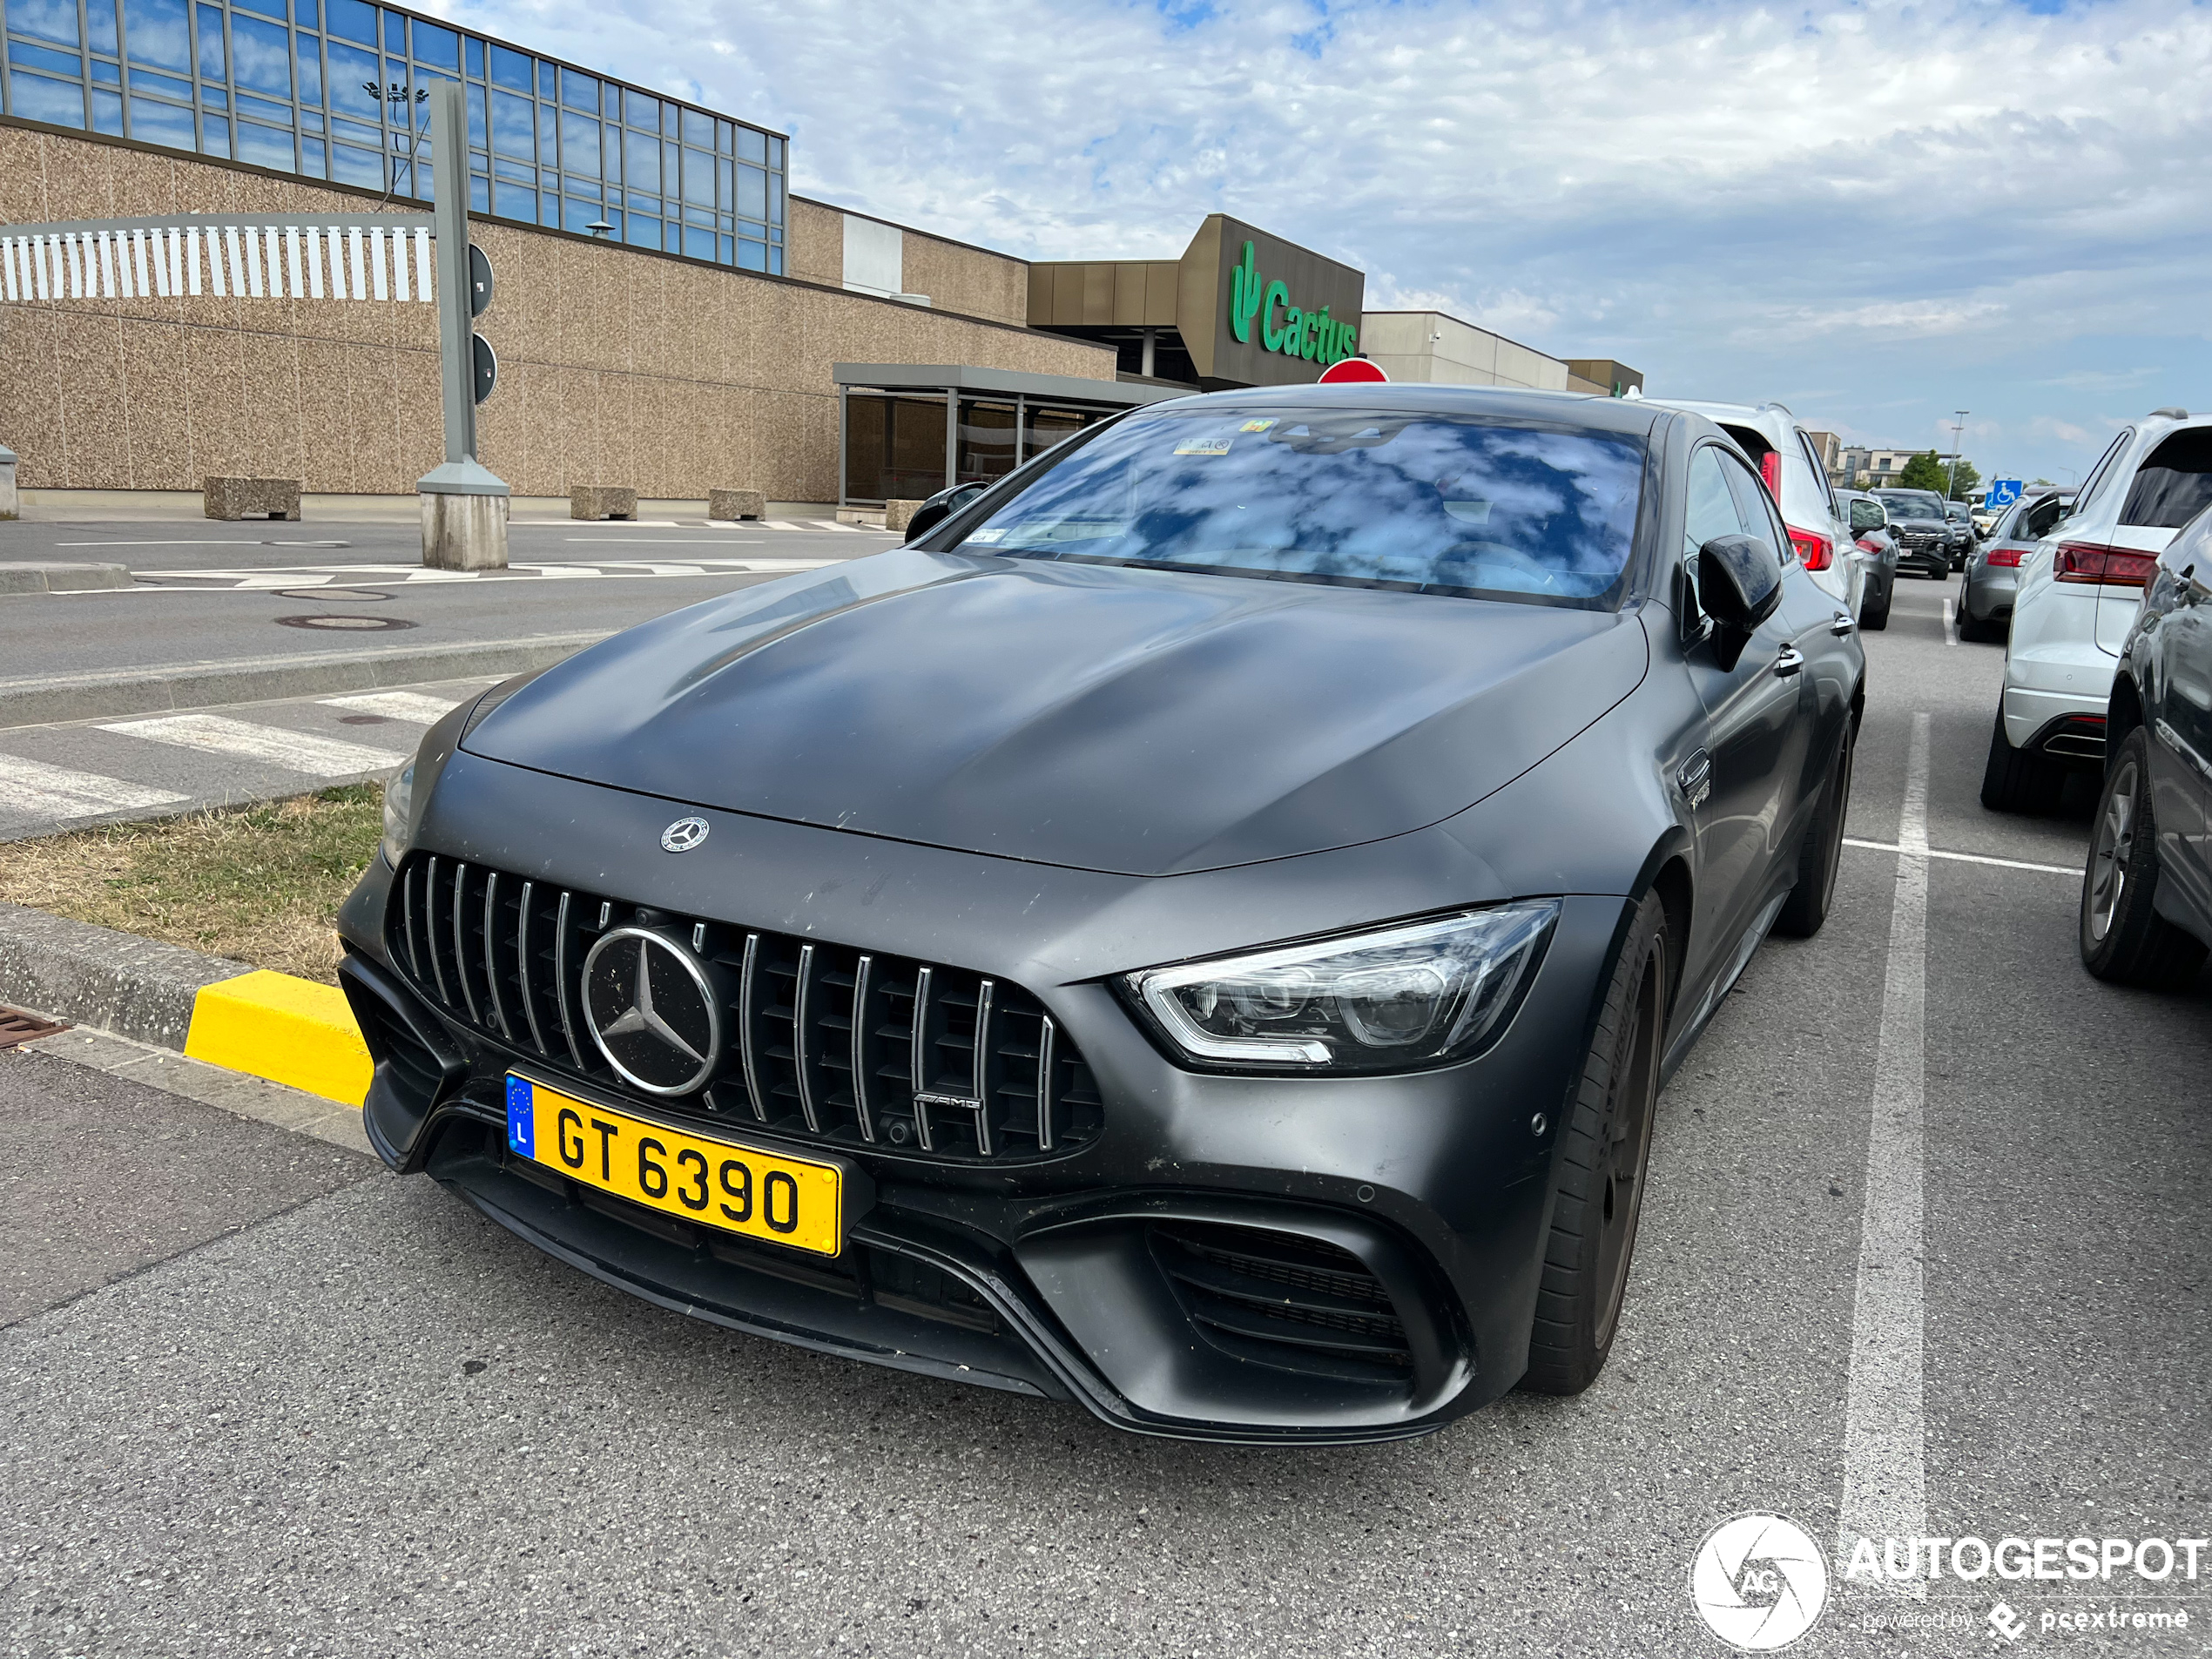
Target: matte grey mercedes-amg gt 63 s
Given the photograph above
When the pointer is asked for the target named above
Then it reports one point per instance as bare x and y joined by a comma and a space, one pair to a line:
1200, 930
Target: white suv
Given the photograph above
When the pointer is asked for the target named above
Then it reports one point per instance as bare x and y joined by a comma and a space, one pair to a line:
1820, 526
2079, 588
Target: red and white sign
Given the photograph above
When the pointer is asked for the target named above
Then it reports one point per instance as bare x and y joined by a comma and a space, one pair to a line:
1352, 371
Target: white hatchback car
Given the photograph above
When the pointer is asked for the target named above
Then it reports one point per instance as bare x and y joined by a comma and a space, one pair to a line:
2079, 588
1820, 526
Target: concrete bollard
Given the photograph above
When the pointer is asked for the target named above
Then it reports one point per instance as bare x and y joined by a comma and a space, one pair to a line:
730, 505
602, 501
897, 515
8, 506
236, 498
464, 518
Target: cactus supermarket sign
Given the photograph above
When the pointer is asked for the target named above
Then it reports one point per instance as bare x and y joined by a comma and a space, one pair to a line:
1256, 303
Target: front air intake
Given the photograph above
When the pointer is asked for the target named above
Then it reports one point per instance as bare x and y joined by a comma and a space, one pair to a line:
1284, 1300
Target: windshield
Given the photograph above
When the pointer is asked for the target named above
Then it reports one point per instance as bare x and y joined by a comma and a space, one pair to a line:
1909, 504
1436, 503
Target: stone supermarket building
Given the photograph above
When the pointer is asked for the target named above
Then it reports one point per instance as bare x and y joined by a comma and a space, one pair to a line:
668, 316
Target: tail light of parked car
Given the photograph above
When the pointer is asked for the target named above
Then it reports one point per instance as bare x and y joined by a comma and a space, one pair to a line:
2006, 557
2111, 567
1815, 550
1771, 469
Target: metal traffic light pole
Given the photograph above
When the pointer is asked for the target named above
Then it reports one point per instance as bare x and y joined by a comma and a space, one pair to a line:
464, 506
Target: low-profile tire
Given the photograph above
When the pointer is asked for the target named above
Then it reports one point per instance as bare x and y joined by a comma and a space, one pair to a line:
2013, 781
2123, 937
1875, 615
1603, 1160
1820, 851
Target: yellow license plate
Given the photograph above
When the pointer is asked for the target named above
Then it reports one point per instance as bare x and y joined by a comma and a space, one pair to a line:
739, 1189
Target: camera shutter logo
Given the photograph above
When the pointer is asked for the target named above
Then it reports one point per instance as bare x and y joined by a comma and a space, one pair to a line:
1759, 1582
682, 835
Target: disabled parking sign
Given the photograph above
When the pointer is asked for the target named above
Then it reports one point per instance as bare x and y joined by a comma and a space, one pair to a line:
2003, 492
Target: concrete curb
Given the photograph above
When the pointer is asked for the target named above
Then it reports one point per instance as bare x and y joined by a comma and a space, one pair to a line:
196, 686
20, 576
272, 1026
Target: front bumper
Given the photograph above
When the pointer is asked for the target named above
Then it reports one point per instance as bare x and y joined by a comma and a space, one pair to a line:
1100, 1274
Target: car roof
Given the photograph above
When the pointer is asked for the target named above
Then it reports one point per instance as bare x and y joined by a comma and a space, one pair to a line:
1769, 418
1633, 417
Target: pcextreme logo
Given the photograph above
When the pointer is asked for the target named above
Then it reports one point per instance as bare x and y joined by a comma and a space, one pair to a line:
1283, 327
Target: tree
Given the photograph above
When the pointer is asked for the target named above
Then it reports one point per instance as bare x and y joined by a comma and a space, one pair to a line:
1924, 472
1967, 482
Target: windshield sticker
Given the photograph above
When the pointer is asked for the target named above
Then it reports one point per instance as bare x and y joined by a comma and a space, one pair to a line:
1469, 512
1204, 447
986, 537
1257, 426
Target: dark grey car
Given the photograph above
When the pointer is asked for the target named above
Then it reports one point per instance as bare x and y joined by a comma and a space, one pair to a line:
1993, 576
1925, 536
2147, 894
1199, 932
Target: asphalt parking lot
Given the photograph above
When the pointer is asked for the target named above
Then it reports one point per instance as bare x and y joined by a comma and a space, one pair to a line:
265, 1398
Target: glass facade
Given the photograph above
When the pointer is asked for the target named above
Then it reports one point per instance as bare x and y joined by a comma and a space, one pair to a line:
894, 445
334, 90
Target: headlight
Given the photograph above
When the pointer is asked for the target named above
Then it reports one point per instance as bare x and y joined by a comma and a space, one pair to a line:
1418, 994
399, 814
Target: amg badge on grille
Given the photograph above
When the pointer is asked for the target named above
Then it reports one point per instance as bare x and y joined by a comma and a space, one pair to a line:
682, 835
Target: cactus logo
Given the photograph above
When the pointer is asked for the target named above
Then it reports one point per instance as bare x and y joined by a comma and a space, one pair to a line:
1759, 1582
1316, 337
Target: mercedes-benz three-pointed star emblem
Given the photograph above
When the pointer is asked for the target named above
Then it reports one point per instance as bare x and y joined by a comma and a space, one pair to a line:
682, 835
652, 1010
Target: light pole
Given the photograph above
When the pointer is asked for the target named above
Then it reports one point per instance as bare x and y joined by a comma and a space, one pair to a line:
1957, 427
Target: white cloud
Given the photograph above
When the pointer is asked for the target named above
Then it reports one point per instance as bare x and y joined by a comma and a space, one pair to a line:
1956, 200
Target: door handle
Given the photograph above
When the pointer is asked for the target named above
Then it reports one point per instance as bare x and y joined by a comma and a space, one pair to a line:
1695, 778
1843, 625
1788, 661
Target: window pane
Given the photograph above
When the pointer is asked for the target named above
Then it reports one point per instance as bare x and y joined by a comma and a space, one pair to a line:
212, 66
304, 12
349, 18
510, 69
512, 130
752, 256
214, 135
729, 251
475, 48
435, 43
776, 198
579, 91
352, 166
725, 188
36, 98
516, 201
261, 110
698, 244
476, 138
106, 72
264, 53
395, 33
355, 77
152, 123
48, 19
479, 193
310, 72
99, 24
752, 146
311, 161
156, 32
214, 98
107, 113
579, 143
698, 129
264, 146
641, 162
776, 154
752, 192
267, 8
549, 78
578, 215
310, 121
642, 232
640, 111
55, 62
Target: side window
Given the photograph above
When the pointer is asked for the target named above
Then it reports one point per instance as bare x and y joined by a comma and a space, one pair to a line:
1756, 510
2103, 467
1820, 476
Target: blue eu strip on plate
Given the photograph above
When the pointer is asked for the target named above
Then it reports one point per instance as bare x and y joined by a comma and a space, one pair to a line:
522, 1123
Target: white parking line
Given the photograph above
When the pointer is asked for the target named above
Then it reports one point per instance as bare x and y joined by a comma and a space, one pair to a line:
1950, 625
32, 789
417, 706
1967, 857
1884, 1430
272, 744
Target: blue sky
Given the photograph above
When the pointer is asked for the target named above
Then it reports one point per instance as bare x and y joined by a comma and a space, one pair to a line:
1879, 212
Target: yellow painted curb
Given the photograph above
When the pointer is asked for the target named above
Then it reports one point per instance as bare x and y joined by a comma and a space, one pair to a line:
288, 1030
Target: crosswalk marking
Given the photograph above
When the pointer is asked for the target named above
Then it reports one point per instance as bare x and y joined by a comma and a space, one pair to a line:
397, 705
392, 575
31, 788
293, 751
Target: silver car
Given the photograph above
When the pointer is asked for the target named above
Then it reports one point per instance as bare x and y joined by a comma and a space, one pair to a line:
1993, 577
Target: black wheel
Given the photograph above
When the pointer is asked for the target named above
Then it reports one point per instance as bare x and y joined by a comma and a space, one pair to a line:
2123, 938
2015, 781
1874, 614
1603, 1161
1822, 851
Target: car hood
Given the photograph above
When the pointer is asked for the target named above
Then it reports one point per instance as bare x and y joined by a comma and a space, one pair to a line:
1138, 721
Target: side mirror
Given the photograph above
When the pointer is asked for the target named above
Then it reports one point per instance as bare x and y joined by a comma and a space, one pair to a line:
1739, 585
939, 507
1867, 516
